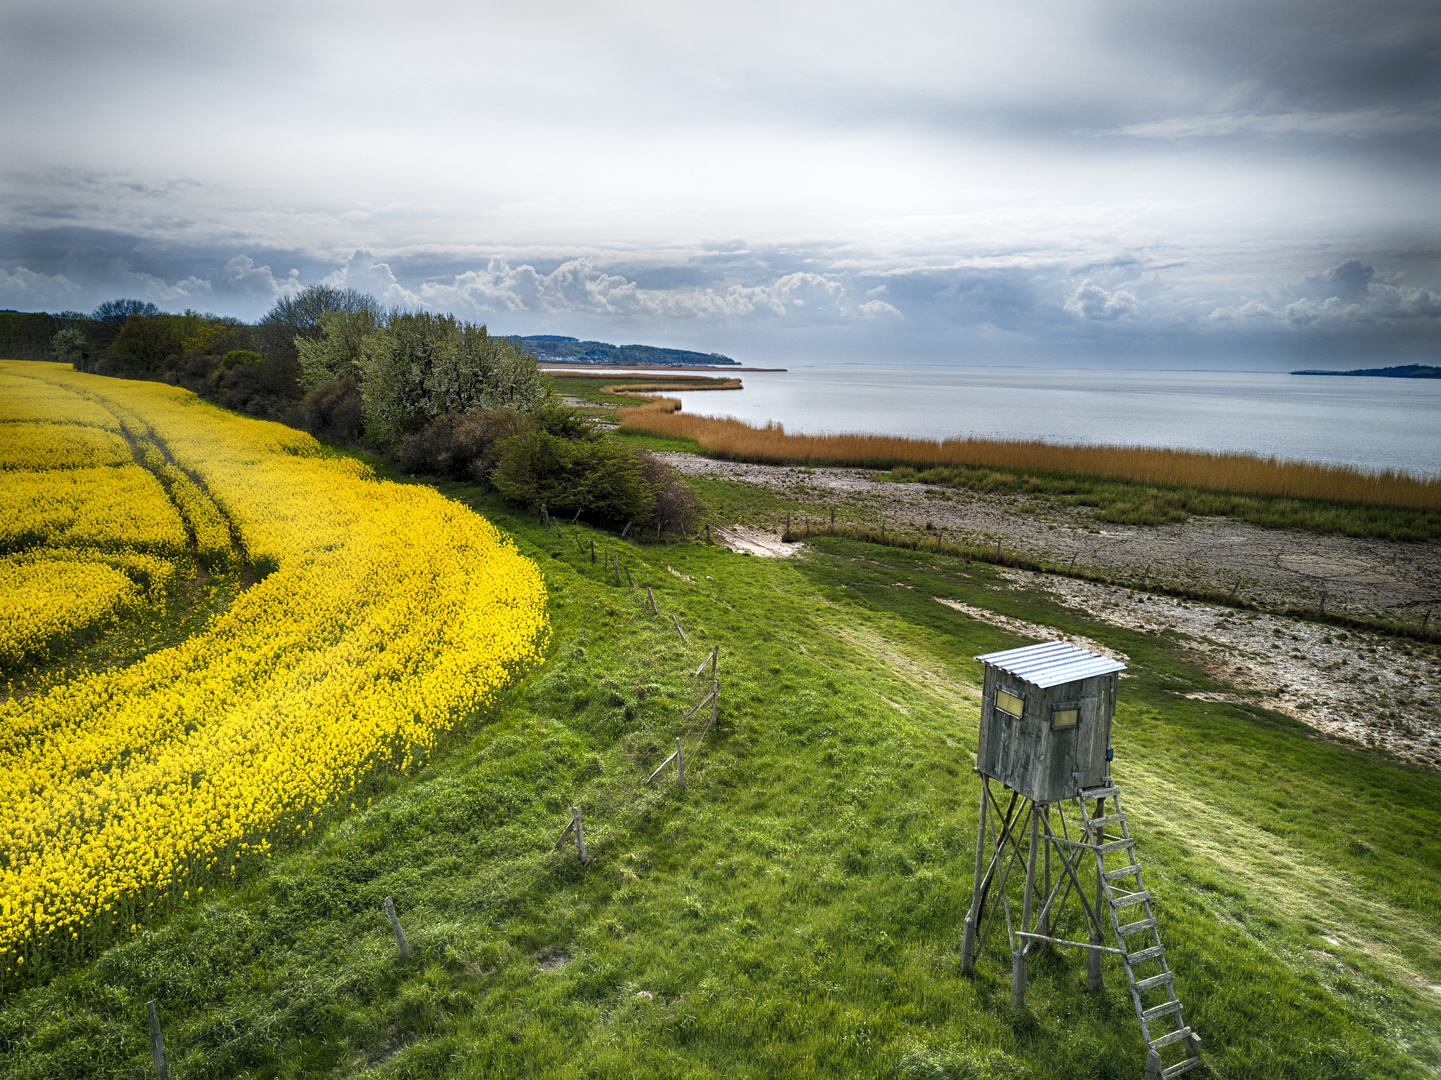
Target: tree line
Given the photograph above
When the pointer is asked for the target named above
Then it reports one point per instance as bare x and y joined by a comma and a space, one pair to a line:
438, 395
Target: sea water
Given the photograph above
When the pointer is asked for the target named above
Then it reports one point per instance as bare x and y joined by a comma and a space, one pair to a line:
1371, 423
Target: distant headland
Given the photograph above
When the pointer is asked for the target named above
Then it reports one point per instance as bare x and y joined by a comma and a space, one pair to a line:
552, 348
1405, 371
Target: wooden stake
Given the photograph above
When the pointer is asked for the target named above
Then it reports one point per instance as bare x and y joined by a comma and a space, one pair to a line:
625, 530
544, 517
1232, 594
651, 597
592, 551
400, 941
579, 834
1073, 563
679, 764
833, 519
617, 569
707, 532
679, 631
630, 583
1425, 619
157, 1044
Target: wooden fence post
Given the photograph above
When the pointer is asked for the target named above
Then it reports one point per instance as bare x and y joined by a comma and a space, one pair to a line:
544, 517
679, 631
400, 941
592, 550
679, 764
1425, 619
651, 597
625, 530
157, 1044
617, 569
833, 519
579, 834
630, 583
707, 532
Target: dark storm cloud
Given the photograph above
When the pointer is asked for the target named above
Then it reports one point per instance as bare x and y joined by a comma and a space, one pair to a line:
945, 179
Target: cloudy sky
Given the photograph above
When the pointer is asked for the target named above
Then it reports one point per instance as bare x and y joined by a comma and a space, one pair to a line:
1123, 182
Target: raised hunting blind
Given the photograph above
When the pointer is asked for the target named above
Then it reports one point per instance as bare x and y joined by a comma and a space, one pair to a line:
1046, 719
1045, 741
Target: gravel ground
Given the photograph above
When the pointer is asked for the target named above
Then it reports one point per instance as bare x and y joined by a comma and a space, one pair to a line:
1354, 685
1370, 688
1266, 566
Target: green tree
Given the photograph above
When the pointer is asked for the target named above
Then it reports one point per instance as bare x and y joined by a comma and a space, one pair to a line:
68, 345
335, 352
420, 365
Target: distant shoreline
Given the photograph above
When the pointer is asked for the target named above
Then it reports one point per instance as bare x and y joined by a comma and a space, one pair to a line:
1404, 371
608, 369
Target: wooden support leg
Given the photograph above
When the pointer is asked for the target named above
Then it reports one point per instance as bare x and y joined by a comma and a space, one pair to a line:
1153, 1066
1094, 982
1043, 926
973, 916
1018, 960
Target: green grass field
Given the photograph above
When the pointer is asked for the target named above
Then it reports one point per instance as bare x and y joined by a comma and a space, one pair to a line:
796, 910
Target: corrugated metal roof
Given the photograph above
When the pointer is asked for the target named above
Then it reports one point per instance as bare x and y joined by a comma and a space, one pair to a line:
1051, 663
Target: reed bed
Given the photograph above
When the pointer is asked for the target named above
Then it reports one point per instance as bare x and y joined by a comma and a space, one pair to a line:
1239, 473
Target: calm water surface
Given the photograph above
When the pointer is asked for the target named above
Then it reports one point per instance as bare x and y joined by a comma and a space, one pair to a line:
1367, 422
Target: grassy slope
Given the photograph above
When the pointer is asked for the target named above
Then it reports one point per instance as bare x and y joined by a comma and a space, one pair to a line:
796, 911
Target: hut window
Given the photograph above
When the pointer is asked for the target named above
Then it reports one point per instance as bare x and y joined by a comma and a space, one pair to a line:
1008, 702
1065, 715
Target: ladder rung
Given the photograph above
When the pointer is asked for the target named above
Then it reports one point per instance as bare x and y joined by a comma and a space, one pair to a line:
1099, 792
1179, 1068
1125, 871
1163, 979
1137, 927
1160, 1010
1170, 1037
1146, 954
1116, 845
1132, 898
1109, 819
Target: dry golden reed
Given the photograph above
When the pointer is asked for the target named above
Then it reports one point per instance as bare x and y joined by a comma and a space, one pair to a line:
1239, 473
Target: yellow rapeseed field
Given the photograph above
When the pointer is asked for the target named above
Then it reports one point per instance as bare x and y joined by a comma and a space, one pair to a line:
383, 615
51, 600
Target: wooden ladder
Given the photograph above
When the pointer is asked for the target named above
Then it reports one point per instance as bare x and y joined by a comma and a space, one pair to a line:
1142, 954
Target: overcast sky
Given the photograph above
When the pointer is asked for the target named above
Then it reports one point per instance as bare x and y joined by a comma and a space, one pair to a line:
1129, 182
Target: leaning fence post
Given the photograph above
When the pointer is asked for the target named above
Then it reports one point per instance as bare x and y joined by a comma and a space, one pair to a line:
400, 941
617, 569
1425, 619
679, 631
651, 597
679, 764
157, 1044
629, 581
579, 834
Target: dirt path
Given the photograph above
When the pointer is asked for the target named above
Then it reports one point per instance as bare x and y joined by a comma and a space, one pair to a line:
1271, 567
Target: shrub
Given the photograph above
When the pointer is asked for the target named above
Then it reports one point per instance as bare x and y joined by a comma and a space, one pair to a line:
675, 504
333, 411
460, 446
603, 480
